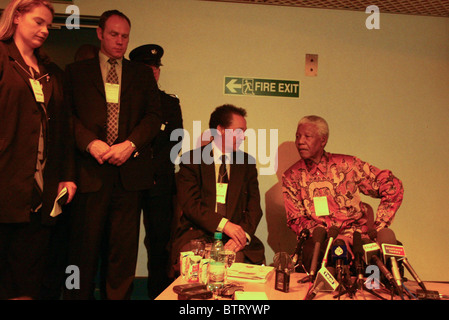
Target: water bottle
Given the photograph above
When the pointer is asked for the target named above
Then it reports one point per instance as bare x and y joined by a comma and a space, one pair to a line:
216, 267
217, 246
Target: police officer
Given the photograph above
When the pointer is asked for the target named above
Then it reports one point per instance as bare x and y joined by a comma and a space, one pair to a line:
158, 202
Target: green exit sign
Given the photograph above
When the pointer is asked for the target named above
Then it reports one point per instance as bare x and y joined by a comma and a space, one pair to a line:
261, 87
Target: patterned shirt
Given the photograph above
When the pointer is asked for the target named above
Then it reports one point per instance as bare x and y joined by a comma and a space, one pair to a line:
340, 179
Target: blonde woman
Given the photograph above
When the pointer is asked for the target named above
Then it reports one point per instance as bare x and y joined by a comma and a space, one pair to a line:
35, 147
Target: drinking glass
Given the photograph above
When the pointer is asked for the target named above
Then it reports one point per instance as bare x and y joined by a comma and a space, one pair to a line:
228, 258
207, 249
198, 247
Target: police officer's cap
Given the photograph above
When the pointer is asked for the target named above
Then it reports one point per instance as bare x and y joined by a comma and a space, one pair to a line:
150, 54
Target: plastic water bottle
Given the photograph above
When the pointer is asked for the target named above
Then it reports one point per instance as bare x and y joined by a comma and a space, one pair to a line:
216, 267
217, 246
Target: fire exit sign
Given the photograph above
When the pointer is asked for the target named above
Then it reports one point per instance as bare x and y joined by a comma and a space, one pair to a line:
261, 87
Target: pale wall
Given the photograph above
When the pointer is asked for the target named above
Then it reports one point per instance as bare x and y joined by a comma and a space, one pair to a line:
384, 93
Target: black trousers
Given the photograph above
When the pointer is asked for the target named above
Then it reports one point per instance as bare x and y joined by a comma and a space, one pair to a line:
105, 231
157, 217
55, 268
23, 250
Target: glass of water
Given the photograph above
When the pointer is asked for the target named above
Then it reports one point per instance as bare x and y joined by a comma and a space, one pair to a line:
207, 249
198, 247
228, 258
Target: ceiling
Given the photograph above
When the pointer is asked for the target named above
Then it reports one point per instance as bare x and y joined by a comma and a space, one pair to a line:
436, 8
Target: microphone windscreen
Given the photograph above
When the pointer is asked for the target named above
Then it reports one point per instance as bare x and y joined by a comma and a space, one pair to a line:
305, 233
339, 242
372, 234
387, 236
283, 261
333, 232
319, 234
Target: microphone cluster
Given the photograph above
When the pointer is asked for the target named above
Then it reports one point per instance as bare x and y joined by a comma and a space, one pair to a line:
345, 272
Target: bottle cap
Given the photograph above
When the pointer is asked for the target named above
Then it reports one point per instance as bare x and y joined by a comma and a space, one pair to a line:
218, 235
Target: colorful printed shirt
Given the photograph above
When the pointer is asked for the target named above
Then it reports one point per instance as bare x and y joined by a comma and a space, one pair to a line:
339, 179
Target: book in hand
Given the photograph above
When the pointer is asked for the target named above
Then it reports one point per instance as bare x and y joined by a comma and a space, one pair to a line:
60, 200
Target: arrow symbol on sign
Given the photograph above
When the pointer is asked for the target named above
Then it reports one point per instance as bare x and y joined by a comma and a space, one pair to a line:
232, 85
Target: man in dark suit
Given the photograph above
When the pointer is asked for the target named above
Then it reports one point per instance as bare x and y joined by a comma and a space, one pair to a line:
158, 201
116, 110
214, 200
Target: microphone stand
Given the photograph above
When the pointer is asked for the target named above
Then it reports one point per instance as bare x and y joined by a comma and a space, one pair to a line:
346, 284
372, 292
307, 278
359, 284
395, 290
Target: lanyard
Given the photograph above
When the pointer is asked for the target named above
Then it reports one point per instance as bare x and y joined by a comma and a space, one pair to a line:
29, 73
35, 84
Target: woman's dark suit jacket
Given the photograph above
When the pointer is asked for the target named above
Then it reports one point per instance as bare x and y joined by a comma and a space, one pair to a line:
20, 122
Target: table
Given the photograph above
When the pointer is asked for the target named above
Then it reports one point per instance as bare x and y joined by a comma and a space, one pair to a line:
298, 291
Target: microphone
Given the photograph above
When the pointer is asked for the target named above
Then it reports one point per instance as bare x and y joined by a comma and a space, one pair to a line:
303, 236
318, 236
413, 273
333, 233
387, 240
397, 251
372, 251
339, 257
357, 248
325, 281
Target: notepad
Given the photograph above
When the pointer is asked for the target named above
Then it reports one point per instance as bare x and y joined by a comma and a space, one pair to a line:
246, 272
60, 200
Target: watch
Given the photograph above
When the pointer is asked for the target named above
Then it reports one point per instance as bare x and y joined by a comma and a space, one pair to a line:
135, 153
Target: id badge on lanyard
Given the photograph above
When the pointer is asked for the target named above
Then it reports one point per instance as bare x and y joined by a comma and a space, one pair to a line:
35, 84
37, 90
112, 92
222, 188
321, 206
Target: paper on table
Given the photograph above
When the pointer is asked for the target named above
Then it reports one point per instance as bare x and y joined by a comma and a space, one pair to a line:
60, 200
239, 295
249, 272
